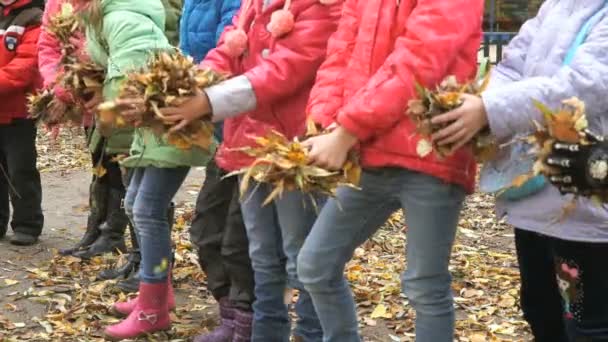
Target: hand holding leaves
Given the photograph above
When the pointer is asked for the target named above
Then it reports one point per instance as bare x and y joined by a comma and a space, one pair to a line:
193, 108
463, 122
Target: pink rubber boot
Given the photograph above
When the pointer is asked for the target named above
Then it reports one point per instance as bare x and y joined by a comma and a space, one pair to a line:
123, 309
150, 315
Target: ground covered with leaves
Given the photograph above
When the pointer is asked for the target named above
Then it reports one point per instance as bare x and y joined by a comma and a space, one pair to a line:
45, 297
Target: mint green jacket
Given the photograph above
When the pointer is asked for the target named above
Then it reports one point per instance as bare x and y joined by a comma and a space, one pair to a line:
131, 31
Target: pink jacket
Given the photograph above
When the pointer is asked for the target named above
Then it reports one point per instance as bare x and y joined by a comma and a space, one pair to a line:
49, 54
281, 72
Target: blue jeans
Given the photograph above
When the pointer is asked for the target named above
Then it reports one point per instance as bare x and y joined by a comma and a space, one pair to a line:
432, 208
276, 233
149, 194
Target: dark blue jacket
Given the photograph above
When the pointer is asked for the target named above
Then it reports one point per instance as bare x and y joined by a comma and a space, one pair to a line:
201, 25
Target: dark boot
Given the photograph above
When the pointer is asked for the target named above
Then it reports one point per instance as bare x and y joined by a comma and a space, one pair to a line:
225, 331
131, 283
3, 229
98, 204
124, 271
112, 237
243, 321
132, 264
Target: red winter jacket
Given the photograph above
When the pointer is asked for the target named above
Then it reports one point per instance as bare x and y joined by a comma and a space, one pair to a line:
19, 30
282, 72
380, 50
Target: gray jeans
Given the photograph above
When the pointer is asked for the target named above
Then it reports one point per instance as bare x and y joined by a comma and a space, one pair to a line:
432, 209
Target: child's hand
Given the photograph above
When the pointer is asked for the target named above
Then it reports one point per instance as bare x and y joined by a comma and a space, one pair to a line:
330, 150
194, 108
131, 110
580, 169
464, 122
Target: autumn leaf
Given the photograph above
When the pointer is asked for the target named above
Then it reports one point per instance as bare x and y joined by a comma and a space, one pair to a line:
379, 311
10, 282
99, 171
521, 180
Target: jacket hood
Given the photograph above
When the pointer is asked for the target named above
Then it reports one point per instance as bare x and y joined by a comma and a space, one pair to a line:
152, 9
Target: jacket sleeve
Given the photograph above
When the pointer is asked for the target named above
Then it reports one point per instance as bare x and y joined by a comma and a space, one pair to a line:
22, 70
227, 12
131, 39
327, 94
510, 68
510, 108
295, 58
435, 34
49, 52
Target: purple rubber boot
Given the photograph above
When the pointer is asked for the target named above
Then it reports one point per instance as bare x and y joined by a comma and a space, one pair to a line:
224, 332
242, 326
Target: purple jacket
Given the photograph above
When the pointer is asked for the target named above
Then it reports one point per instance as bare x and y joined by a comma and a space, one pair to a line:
532, 68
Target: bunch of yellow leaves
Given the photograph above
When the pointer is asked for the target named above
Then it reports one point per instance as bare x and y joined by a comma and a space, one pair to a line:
40, 103
78, 77
167, 81
284, 164
447, 97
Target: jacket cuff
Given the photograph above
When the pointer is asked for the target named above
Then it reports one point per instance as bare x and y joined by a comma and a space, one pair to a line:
353, 127
231, 98
498, 118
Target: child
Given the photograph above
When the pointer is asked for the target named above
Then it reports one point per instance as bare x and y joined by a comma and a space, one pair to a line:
105, 150
49, 57
380, 51
129, 271
19, 29
273, 65
563, 281
121, 34
217, 229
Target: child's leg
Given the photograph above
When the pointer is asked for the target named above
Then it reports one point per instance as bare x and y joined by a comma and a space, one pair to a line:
540, 298
583, 283
137, 175
297, 214
235, 253
207, 230
156, 190
271, 321
432, 208
5, 206
343, 224
20, 154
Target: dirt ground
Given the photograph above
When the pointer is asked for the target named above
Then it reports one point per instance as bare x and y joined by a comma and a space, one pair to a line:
484, 269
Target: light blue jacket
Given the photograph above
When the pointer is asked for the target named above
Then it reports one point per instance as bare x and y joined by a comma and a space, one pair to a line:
201, 26
532, 68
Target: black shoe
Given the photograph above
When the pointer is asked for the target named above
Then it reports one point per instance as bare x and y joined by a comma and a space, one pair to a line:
131, 284
98, 206
22, 239
104, 244
132, 265
112, 237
